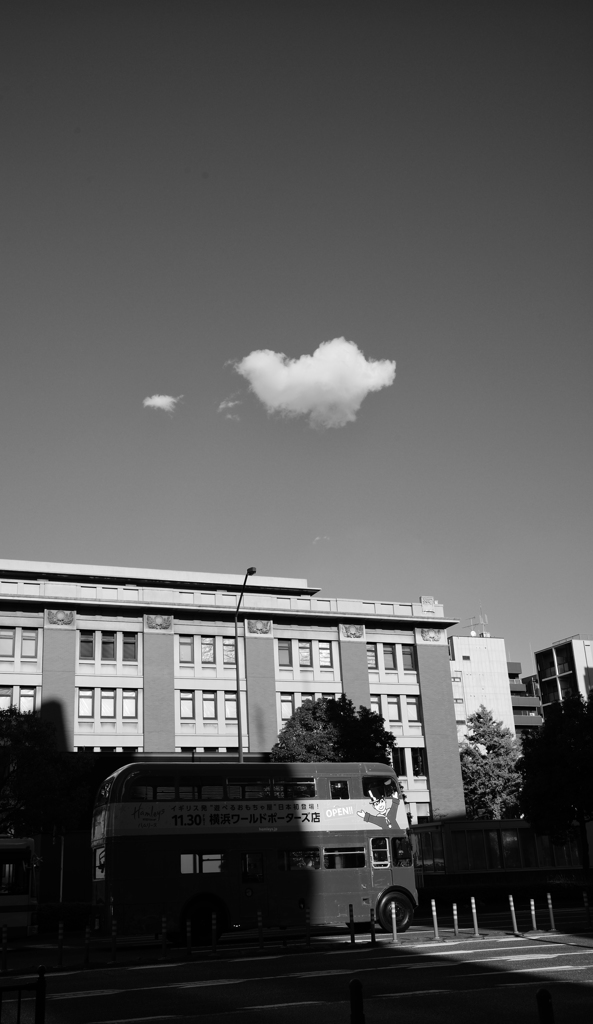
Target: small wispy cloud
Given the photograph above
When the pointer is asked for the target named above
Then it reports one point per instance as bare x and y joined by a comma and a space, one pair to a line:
316, 540
166, 403
229, 403
328, 386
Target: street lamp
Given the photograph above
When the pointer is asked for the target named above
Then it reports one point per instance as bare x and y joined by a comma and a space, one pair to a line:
250, 572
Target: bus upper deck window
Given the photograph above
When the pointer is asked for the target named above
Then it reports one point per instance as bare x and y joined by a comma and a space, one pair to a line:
249, 789
295, 789
150, 790
212, 789
376, 786
339, 789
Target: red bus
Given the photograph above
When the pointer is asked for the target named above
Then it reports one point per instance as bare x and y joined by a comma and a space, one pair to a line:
183, 840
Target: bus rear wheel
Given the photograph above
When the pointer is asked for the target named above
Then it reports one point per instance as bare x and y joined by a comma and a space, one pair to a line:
404, 911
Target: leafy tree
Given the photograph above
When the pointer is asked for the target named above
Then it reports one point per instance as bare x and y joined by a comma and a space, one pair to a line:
557, 772
489, 756
333, 730
40, 788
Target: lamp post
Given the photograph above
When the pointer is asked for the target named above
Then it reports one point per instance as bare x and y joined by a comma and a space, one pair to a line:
250, 572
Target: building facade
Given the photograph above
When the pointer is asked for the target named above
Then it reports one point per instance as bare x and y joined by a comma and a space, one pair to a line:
527, 705
479, 675
144, 660
565, 669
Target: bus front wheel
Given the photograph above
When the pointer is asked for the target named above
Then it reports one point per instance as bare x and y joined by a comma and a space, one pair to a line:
404, 911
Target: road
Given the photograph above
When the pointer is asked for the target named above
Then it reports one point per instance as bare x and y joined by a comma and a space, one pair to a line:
489, 979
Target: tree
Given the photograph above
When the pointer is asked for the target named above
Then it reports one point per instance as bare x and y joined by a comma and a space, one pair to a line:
557, 772
489, 756
40, 788
333, 730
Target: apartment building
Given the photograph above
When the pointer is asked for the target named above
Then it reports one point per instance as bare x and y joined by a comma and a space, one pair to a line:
480, 675
144, 660
565, 669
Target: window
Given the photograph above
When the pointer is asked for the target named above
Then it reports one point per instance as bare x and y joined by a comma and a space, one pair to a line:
335, 857
389, 656
130, 647
465, 657
228, 650
209, 705
107, 646
7, 643
325, 654
252, 867
296, 789
418, 761
376, 704
409, 657
186, 650
86, 702
186, 704
286, 706
285, 653
412, 706
129, 700
380, 852
87, 645
27, 701
230, 706
208, 655
5, 697
99, 863
402, 852
377, 787
305, 654
399, 762
338, 789
107, 703
393, 709
299, 860
29, 643
201, 863
248, 789
372, 655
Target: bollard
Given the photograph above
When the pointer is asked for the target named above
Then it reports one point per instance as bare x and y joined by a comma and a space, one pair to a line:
394, 922
307, 926
533, 921
513, 916
60, 942
164, 936
4, 949
40, 996
545, 1008
455, 920
351, 924
356, 1002
435, 923
587, 908
188, 937
260, 929
551, 913
214, 932
475, 918
87, 946
114, 940
373, 936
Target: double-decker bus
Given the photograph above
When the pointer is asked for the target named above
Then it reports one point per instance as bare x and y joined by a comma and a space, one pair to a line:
182, 841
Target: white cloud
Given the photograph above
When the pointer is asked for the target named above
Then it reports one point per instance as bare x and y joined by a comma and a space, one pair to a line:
317, 539
228, 403
165, 402
328, 386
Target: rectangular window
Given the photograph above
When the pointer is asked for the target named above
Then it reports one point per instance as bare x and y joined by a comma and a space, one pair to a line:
297, 789
379, 852
130, 647
285, 653
413, 709
389, 656
335, 857
393, 709
252, 867
299, 860
201, 863
338, 789
5, 697
208, 650
228, 650
29, 643
230, 706
7, 643
418, 761
325, 654
129, 699
99, 863
409, 657
401, 851
186, 650
27, 701
372, 655
376, 704
399, 762
209, 705
107, 646
286, 706
186, 704
86, 703
107, 703
87, 645
305, 654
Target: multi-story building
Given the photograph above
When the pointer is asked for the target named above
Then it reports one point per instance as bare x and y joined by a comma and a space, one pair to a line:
527, 706
565, 669
480, 676
144, 660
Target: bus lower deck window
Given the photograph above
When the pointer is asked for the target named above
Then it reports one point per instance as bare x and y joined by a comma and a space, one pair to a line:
339, 789
252, 867
347, 857
299, 860
201, 863
380, 852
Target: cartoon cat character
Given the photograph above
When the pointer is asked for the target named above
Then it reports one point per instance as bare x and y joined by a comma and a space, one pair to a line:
385, 808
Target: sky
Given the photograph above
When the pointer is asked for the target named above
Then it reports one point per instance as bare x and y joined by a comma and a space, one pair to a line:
197, 196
